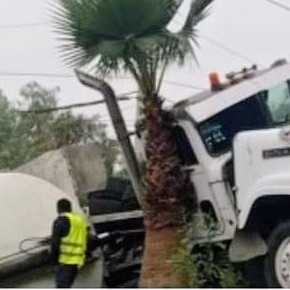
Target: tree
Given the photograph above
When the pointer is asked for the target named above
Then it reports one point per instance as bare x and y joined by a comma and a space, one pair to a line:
24, 136
132, 36
7, 128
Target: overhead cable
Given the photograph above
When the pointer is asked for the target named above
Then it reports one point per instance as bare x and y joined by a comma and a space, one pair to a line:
123, 97
21, 25
228, 49
278, 4
71, 76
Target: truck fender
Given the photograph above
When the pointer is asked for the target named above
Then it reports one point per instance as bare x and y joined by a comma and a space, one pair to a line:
268, 186
247, 245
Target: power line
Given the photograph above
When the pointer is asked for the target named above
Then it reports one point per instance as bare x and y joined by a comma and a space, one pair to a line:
228, 49
283, 6
220, 45
40, 74
71, 76
22, 25
123, 97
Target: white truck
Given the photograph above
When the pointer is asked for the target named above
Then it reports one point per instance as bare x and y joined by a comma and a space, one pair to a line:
234, 140
237, 149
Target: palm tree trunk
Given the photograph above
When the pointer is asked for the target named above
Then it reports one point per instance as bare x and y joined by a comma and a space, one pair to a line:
164, 196
157, 271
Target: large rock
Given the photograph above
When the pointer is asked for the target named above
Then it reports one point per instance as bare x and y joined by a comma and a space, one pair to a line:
77, 169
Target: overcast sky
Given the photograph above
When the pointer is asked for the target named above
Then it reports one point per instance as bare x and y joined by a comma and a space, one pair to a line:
255, 29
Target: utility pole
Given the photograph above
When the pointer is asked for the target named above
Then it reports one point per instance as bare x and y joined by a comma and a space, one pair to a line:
118, 122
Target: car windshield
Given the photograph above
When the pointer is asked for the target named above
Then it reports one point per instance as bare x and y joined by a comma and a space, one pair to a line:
266, 109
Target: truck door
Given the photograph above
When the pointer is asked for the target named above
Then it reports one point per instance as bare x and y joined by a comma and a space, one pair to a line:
206, 199
262, 167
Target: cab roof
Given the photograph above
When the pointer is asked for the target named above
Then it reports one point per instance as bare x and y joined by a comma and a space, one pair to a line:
208, 103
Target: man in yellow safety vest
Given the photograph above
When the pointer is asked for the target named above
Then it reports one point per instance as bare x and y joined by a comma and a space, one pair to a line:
69, 244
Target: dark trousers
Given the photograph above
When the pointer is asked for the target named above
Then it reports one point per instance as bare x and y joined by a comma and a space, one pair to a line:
65, 275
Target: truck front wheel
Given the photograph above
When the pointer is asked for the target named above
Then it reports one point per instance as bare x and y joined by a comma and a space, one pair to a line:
277, 262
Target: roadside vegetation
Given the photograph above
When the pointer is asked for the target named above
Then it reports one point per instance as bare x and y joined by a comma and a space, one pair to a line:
24, 136
205, 265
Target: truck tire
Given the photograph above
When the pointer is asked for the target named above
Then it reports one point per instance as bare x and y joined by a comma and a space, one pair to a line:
277, 262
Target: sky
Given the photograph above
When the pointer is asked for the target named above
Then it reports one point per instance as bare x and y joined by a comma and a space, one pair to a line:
236, 34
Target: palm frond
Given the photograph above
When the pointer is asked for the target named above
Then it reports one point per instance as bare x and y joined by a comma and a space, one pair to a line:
107, 27
119, 33
181, 41
198, 11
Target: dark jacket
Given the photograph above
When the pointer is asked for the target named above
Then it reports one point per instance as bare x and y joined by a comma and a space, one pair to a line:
60, 229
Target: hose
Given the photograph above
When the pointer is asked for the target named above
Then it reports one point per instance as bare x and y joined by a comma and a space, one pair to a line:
41, 242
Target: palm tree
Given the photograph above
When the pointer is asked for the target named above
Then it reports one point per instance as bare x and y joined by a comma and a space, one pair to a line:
132, 36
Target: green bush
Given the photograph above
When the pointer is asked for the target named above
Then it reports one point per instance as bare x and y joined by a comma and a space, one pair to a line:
205, 265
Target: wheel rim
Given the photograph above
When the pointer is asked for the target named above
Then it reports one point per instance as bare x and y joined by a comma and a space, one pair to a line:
282, 263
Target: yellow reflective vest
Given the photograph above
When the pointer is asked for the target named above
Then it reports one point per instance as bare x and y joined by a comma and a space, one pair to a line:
73, 246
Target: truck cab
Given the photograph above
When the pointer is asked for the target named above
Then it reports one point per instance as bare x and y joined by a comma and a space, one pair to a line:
234, 141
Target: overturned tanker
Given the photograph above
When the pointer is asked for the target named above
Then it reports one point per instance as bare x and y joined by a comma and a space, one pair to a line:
28, 208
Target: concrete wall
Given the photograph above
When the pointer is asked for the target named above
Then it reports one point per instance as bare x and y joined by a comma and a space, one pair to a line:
75, 169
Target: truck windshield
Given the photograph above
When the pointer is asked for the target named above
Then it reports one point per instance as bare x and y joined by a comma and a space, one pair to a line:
266, 109
218, 131
277, 101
